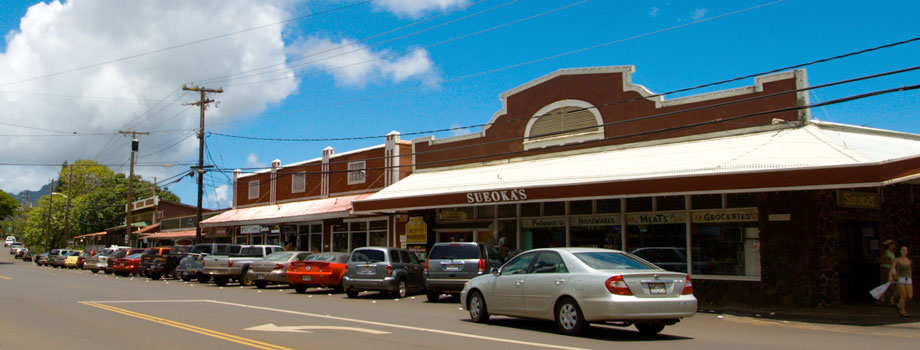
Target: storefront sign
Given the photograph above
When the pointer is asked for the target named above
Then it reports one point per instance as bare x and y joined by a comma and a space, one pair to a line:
725, 215
557, 221
250, 229
779, 217
276, 229
517, 194
596, 220
854, 199
416, 231
452, 215
655, 218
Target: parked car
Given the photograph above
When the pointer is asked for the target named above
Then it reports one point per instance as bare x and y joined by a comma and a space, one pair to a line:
129, 265
19, 252
71, 259
118, 254
318, 270
450, 265
99, 261
13, 246
157, 266
390, 270
28, 256
186, 270
226, 268
9, 240
84, 256
672, 259
578, 286
41, 259
153, 256
60, 258
273, 268
200, 251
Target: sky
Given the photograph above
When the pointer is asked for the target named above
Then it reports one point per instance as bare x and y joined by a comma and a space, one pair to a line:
75, 73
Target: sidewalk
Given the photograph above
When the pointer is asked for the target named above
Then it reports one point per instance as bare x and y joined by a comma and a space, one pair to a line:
861, 314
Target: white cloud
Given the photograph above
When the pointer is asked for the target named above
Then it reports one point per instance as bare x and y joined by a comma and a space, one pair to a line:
55, 37
252, 161
356, 65
653, 12
416, 8
698, 14
221, 195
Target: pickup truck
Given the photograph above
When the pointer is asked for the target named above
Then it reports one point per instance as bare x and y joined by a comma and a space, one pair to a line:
155, 266
226, 268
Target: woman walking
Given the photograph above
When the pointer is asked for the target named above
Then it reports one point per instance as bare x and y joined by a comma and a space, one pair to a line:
900, 278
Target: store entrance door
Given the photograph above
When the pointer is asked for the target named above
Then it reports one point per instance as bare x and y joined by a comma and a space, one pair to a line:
458, 236
857, 251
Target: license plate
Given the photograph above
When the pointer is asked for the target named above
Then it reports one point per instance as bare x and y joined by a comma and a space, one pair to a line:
305, 278
452, 267
260, 277
366, 270
121, 264
657, 288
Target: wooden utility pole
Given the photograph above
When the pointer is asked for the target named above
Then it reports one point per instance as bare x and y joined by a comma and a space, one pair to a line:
202, 103
48, 220
134, 147
67, 208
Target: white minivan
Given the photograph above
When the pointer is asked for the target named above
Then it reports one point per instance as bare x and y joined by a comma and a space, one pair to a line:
9, 241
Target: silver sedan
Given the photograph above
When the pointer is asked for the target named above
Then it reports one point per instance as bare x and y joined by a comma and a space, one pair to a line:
273, 268
578, 286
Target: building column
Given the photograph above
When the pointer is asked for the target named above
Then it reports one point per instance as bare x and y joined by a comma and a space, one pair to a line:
273, 196
324, 182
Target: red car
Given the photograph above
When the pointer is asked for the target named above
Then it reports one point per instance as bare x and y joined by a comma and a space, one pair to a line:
87, 254
128, 265
318, 270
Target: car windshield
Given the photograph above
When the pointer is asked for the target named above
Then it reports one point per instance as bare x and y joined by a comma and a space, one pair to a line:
134, 256
367, 255
281, 256
612, 261
454, 251
251, 252
321, 257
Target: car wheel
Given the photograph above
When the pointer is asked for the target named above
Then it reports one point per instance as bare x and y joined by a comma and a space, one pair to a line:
154, 276
107, 272
261, 284
401, 289
479, 313
299, 288
202, 278
338, 289
433, 297
175, 274
244, 278
351, 293
221, 281
649, 329
569, 317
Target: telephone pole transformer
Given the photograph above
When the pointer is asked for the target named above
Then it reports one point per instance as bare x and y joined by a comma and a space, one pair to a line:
130, 206
202, 103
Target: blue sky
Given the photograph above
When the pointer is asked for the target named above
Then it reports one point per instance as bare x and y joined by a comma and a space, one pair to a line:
418, 86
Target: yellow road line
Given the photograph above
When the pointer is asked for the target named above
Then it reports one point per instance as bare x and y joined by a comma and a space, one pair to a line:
5, 278
190, 328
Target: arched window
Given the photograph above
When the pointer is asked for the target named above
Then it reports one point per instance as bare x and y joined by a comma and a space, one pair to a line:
562, 122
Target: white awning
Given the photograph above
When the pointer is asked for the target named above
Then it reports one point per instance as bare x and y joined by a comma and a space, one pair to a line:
777, 156
317, 209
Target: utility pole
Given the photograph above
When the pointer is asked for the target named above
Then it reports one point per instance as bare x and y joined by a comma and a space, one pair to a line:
202, 104
67, 208
48, 219
134, 147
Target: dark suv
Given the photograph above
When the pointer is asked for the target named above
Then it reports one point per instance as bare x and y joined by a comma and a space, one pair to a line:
450, 265
389, 270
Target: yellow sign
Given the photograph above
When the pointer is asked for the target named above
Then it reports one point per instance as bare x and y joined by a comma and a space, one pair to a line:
725, 215
452, 215
416, 231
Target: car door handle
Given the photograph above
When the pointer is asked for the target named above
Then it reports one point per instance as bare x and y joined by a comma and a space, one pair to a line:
518, 283
560, 281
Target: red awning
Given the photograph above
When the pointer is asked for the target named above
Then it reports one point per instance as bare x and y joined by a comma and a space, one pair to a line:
317, 209
148, 229
97, 234
172, 235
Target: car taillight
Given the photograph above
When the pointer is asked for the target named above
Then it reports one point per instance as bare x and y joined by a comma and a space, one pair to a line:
278, 266
389, 270
202, 262
688, 286
426, 266
230, 263
617, 285
482, 266
294, 265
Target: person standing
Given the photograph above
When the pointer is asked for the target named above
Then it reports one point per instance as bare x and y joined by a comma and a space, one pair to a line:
899, 275
885, 260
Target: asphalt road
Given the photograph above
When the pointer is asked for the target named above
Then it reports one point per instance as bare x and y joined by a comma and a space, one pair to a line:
42, 307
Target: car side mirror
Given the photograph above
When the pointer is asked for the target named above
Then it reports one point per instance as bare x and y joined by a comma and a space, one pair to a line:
494, 271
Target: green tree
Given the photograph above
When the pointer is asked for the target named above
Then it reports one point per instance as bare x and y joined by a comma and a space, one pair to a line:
8, 205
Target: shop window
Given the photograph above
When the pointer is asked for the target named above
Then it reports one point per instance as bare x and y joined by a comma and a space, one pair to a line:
542, 232
581, 207
358, 226
356, 172
639, 204
316, 242
456, 214
530, 209
298, 182
378, 238
340, 242
241, 239
507, 241
741, 200
253, 189
608, 206
593, 233
272, 240
669, 203
507, 210
303, 229
553, 208
706, 201
727, 249
316, 228
659, 237
485, 212
378, 225
256, 239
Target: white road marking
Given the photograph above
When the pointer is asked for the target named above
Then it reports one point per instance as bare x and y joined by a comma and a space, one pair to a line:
271, 327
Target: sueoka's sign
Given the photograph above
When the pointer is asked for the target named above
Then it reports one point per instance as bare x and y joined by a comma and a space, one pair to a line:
656, 218
517, 194
726, 215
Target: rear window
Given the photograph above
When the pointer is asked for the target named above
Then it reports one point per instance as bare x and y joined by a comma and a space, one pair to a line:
202, 249
368, 255
612, 261
134, 256
338, 258
180, 249
279, 256
454, 251
252, 252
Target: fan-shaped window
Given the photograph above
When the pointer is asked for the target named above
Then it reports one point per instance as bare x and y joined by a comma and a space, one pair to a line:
563, 122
